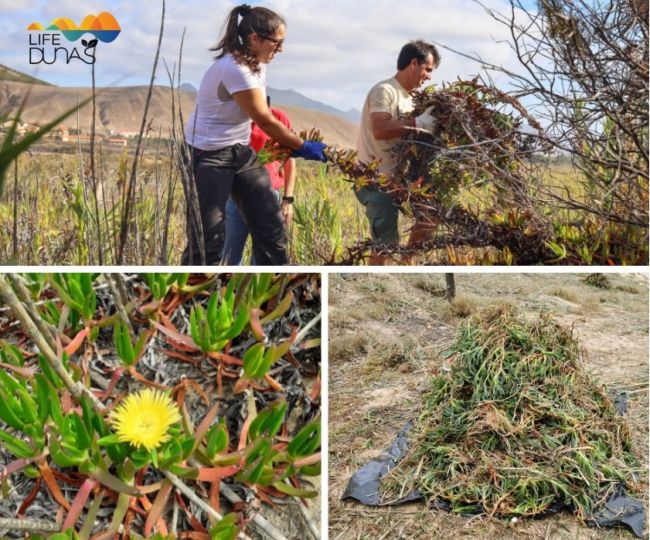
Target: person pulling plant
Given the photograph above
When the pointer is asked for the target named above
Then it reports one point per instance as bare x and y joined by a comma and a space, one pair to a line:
231, 94
283, 176
383, 122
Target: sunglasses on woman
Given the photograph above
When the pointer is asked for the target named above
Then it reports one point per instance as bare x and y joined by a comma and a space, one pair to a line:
277, 42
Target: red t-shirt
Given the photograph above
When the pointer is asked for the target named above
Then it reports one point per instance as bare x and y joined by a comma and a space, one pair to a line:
258, 138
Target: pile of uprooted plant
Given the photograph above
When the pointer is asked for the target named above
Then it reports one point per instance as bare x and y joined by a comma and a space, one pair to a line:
514, 426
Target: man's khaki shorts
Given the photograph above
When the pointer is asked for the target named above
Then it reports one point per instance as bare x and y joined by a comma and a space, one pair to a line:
382, 214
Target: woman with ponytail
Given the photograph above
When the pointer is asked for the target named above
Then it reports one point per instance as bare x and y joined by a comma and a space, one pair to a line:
232, 93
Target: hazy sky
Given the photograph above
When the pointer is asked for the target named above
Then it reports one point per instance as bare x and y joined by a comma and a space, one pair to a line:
335, 49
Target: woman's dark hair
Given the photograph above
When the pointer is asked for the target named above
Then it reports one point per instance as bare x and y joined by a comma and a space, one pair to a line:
419, 50
257, 20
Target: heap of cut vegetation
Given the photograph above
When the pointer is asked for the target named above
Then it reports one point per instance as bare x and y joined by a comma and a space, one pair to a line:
515, 426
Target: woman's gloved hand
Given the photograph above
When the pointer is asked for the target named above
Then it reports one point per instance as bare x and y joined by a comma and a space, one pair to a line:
311, 150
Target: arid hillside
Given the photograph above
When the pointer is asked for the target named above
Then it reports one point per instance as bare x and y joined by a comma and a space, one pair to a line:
120, 110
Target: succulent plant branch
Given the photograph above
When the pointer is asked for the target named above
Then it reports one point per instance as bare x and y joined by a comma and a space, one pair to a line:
157, 430
305, 330
191, 495
77, 389
116, 285
25, 297
28, 525
98, 287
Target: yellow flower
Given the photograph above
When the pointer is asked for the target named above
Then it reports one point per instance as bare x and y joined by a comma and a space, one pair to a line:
144, 419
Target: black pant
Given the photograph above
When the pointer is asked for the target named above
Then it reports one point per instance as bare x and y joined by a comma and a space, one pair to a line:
234, 170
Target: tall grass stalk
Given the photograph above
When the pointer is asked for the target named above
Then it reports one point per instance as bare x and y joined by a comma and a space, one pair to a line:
15, 232
93, 175
128, 203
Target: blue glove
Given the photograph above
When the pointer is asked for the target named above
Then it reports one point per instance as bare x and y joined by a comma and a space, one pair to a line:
312, 150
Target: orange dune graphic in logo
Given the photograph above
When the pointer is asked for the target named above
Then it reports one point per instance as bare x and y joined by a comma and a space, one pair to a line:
103, 26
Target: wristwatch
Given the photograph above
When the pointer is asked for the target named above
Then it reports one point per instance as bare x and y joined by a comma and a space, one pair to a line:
287, 200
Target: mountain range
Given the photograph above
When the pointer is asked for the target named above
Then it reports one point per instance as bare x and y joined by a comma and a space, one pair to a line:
296, 99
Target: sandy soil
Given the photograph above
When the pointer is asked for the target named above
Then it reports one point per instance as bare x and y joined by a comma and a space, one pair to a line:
386, 335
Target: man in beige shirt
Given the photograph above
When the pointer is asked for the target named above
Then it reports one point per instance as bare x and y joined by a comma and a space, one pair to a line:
383, 123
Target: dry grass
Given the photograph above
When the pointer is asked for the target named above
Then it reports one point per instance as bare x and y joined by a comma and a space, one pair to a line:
462, 306
570, 295
429, 285
628, 289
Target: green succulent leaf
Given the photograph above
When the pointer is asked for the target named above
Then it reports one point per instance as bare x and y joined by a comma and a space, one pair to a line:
159, 284
310, 470
10, 411
47, 370
29, 409
294, 492
66, 455
217, 439
268, 421
256, 459
254, 362
306, 442
226, 529
42, 397
81, 434
16, 446
11, 354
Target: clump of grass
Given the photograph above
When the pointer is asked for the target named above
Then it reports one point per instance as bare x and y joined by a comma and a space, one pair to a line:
429, 285
516, 425
566, 294
462, 306
348, 347
628, 289
600, 281
327, 217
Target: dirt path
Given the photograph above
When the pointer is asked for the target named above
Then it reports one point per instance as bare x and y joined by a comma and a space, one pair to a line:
386, 335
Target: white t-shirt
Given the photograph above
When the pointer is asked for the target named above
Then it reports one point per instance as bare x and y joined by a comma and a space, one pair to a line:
386, 97
217, 120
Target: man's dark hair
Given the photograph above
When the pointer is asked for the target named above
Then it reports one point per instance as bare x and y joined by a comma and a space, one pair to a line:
420, 50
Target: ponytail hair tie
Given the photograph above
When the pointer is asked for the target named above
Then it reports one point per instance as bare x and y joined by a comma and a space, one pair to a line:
244, 10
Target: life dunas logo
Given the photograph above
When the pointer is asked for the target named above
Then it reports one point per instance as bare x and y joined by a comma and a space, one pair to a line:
45, 42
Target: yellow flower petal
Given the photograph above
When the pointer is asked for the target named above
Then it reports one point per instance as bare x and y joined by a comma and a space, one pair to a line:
144, 419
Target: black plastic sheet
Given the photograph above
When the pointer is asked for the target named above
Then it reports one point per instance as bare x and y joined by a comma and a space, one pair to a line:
364, 484
620, 400
619, 510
